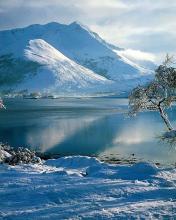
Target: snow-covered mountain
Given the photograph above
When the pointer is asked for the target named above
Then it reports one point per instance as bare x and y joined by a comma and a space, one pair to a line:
56, 57
59, 73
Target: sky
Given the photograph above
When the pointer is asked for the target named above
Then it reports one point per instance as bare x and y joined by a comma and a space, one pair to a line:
142, 25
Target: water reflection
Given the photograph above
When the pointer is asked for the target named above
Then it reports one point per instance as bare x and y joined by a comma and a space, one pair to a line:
55, 134
140, 131
85, 127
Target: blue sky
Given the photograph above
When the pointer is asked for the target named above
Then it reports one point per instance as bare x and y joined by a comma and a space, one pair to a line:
147, 25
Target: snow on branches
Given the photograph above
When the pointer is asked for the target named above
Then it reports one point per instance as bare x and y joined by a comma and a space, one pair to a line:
157, 95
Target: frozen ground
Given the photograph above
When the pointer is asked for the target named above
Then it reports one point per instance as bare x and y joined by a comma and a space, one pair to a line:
84, 188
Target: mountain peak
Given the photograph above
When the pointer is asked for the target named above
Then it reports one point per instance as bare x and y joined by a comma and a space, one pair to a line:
77, 23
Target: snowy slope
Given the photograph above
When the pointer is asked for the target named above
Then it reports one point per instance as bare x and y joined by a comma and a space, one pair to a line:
64, 74
84, 188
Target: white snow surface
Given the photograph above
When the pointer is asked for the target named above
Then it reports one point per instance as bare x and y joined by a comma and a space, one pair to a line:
78, 187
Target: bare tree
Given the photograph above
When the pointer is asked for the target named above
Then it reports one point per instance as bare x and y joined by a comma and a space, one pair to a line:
158, 95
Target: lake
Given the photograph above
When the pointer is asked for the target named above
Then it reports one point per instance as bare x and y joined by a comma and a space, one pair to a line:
90, 126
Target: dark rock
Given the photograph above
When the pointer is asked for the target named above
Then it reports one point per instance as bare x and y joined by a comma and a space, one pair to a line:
17, 156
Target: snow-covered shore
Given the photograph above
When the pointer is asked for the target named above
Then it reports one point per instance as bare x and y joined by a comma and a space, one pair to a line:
84, 188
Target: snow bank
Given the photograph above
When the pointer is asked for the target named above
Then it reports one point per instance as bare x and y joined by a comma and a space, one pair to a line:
73, 162
85, 188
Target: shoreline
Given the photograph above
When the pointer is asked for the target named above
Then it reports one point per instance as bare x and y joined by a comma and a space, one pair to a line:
22, 155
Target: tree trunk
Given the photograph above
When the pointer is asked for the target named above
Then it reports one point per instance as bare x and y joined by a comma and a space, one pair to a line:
165, 119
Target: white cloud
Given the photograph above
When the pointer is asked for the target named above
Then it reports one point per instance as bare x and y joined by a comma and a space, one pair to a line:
138, 55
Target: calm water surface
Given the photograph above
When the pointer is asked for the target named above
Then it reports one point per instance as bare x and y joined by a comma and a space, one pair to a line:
95, 126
